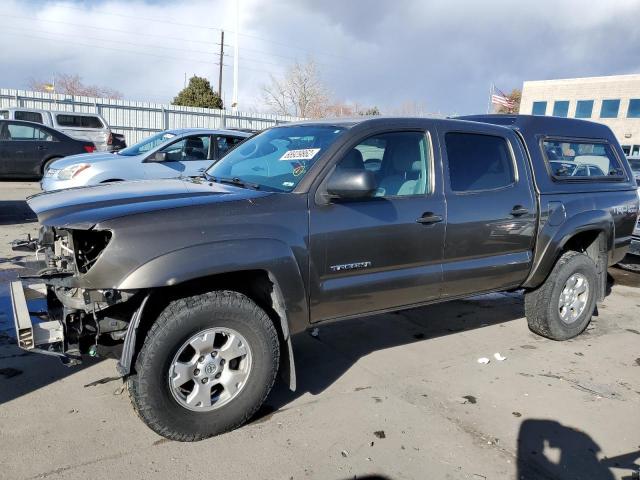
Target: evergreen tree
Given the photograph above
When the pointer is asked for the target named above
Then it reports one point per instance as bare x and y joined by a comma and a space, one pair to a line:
198, 93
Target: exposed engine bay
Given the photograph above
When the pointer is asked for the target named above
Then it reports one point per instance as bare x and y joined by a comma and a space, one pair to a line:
92, 320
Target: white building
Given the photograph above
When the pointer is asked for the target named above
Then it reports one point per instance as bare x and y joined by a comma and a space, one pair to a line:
613, 100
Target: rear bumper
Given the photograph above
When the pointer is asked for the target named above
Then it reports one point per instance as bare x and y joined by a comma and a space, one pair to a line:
32, 334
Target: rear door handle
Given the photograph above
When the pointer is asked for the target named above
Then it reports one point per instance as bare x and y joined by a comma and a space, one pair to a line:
429, 218
41, 147
519, 210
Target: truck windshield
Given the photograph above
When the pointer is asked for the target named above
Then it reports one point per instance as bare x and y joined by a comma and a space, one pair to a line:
146, 144
276, 159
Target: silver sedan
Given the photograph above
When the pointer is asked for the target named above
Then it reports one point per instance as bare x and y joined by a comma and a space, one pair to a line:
168, 154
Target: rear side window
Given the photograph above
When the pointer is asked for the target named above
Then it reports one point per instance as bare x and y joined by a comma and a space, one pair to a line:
478, 162
581, 160
79, 121
226, 143
28, 116
27, 132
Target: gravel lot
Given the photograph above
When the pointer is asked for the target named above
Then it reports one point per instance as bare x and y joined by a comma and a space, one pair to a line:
396, 396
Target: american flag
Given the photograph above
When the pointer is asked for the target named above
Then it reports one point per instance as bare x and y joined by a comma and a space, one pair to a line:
499, 98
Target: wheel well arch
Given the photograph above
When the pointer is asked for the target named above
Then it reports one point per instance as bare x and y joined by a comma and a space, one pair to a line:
595, 242
259, 285
590, 242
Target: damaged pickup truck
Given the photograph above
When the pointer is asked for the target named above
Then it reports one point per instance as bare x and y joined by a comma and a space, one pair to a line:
201, 283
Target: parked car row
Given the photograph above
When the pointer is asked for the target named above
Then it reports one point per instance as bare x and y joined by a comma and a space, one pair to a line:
30, 149
79, 125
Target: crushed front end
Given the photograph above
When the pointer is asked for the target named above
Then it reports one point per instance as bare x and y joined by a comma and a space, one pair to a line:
55, 310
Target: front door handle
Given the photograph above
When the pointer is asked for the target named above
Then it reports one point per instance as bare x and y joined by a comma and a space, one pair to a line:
519, 210
429, 218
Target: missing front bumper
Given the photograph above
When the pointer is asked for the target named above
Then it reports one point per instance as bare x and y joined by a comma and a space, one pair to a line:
34, 335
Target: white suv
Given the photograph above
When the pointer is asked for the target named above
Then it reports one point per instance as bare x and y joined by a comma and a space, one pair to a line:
80, 125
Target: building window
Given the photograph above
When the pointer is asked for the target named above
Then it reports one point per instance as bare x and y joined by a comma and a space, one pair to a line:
584, 108
609, 108
539, 108
560, 108
634, 108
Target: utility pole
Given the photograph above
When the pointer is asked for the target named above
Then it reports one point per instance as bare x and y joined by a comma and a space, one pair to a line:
234, 101
220, 69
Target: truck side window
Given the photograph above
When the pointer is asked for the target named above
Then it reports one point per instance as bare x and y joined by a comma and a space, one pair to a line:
28, 116
400, 160
478, 162
583, 160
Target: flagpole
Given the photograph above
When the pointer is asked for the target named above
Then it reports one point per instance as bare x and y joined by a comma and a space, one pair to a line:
490, 95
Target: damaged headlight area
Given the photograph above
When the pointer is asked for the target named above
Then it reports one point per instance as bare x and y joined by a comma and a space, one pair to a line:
55, 312
65, 251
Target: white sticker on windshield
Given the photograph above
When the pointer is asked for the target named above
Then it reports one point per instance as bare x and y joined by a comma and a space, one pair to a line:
302, 154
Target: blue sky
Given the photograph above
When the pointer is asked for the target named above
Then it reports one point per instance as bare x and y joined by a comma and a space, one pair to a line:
442, 55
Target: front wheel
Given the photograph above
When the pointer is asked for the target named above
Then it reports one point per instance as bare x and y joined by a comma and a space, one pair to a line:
561, 308
206, 365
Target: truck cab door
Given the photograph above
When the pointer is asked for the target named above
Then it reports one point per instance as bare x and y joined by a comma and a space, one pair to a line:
385, 251
491, 210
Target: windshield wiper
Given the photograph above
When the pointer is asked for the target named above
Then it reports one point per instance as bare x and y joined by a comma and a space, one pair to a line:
235, 181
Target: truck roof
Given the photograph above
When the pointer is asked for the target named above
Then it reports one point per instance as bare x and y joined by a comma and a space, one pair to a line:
550, 126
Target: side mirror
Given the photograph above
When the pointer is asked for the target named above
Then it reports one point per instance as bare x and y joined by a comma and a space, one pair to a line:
158, 157
351, 184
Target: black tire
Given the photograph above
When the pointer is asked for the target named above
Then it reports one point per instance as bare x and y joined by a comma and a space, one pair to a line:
149, 386
541, 304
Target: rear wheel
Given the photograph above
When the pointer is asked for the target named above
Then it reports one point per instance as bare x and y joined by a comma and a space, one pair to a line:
205, 367
561, 308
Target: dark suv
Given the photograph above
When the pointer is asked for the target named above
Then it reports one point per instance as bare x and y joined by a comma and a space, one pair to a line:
205, 281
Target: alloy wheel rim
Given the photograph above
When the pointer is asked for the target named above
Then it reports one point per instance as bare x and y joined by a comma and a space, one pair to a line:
573, 298
210, 369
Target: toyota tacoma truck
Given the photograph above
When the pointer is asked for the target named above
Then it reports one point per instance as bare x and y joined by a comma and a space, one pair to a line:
202, 283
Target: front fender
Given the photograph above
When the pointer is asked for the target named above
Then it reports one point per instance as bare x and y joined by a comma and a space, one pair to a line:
552, 239
227, 256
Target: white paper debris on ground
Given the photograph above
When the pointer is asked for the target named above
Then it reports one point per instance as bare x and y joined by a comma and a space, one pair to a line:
499, 357
483, 360
315, 332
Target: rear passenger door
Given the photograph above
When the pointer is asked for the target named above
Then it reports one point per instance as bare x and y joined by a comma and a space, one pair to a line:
491, 210
224, 143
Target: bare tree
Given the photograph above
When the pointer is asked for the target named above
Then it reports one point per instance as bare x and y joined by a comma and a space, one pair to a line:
300, 92
71, 84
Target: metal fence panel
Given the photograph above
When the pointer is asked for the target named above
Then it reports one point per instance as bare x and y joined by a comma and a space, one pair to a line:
137, 120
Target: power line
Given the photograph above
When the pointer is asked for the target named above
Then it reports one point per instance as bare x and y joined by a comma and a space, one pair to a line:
93, 27
102, 47
136, 17
134, 52
190, 25
111, 40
